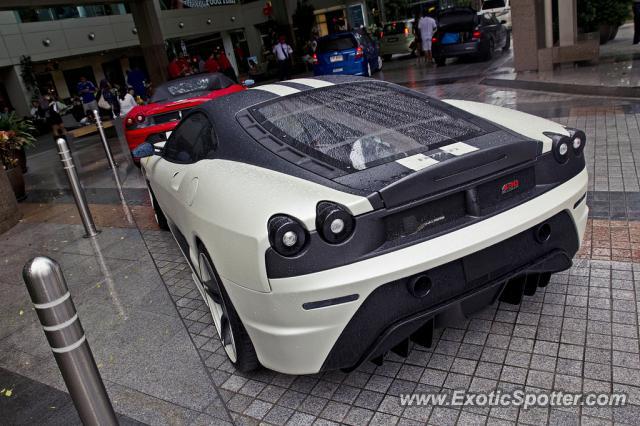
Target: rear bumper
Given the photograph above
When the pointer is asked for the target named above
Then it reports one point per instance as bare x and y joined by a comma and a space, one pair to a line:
395, 48
291, 339
357, 68
457, 50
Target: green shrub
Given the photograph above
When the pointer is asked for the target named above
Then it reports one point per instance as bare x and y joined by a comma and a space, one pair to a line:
593, 13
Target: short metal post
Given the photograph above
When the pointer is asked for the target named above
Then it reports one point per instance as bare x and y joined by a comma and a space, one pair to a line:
76, 188
54, 306
103, 137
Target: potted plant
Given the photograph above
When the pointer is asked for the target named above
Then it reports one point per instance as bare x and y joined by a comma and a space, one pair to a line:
15, 135
604, 16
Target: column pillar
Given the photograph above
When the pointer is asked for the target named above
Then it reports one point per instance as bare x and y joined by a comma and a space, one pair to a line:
548, 23
567, 22
19, 95
525, 35
146, 17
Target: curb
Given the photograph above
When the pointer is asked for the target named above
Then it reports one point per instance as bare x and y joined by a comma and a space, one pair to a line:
575, 89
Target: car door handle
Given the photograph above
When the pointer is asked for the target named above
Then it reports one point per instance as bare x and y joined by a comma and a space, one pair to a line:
176, 179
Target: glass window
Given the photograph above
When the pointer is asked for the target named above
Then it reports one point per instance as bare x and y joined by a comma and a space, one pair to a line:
67, 12
190, 87
492, 4
333, 44
395, 28
192, 141
357, 126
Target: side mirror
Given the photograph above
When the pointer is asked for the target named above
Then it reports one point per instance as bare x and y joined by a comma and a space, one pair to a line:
145, 150
248, 83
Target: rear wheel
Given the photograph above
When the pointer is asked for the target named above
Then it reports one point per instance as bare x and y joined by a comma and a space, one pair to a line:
507, 44
488, 55
161, 219
233, 336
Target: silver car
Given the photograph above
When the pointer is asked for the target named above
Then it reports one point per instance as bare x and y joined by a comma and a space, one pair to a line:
397, 38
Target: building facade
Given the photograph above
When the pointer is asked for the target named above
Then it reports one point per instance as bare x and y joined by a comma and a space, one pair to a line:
102, 41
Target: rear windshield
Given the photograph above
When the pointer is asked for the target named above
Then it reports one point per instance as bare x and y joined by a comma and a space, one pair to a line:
190, 87
360, 125
493, 4
333, 44
395, 28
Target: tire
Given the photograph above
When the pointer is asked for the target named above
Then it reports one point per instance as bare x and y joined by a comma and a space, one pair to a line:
440, 61
368, 72
161, 219
379, 64
387, 57
233, 336
507, 44
488, 55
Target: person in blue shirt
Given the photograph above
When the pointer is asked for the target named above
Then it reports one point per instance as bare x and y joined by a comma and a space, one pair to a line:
87, 91
136, 79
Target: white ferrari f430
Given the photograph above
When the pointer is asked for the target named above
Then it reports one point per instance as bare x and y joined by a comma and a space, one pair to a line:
331, 220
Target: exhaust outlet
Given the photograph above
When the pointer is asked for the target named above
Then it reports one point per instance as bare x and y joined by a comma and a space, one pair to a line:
419, 286
543, 233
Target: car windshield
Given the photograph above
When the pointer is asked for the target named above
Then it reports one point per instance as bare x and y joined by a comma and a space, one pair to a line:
360, 125
340, 43
493, 4
190, 87
395, 28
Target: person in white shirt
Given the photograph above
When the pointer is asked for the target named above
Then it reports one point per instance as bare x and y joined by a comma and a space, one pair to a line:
283, 54
126, 100
427, 27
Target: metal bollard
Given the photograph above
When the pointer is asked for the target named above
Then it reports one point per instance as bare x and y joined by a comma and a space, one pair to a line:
76, 188
103, 137
54, 306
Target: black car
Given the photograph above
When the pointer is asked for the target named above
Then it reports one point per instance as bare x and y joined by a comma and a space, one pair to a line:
462, 32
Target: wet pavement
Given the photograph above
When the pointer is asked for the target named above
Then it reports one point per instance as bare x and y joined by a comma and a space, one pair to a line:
156, 346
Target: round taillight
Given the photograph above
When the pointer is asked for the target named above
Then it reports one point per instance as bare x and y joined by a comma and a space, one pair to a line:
129, 121
140, 118
578, 143
334, 222
561, 149
287, 236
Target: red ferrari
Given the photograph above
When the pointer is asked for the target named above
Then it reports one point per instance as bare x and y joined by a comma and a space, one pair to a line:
154, 121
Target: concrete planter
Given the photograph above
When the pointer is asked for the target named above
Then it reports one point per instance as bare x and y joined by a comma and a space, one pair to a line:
16, 179
9, 213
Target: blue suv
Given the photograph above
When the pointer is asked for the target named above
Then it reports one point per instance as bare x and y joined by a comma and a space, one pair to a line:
352, 52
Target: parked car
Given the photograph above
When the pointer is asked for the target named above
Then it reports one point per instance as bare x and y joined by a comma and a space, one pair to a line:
352, 52
154, 121
501, 8
330, 220
397, 38
462, 32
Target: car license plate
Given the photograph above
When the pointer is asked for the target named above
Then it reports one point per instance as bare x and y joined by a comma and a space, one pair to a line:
338, 69
392, 39
336, 58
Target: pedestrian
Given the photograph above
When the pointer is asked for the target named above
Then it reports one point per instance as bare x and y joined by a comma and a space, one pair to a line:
225, 66
54, 116
126, 100
106, 99
283, 54
87, 91
636, 21
417, 49
427, 27
136, 79
211, 65
77, 111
